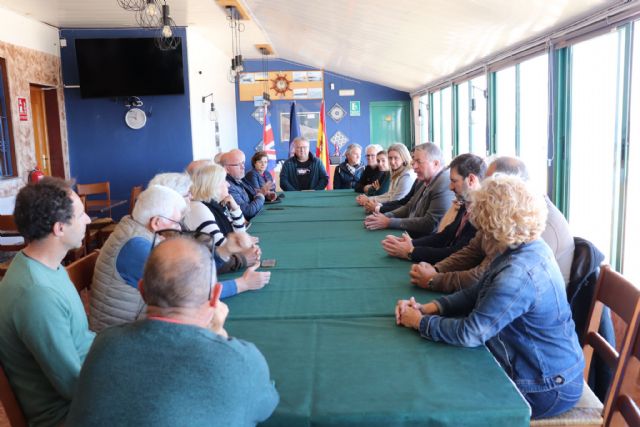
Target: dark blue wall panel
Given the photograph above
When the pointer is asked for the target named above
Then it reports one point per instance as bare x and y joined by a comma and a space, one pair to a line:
355, 128
102, 147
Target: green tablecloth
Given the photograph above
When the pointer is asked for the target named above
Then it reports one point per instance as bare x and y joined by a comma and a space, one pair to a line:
369, 372
325, 324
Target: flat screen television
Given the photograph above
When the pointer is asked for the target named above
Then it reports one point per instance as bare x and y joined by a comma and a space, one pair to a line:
128, 67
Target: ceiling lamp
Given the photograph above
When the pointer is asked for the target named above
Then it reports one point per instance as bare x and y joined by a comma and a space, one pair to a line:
166, 39
132, 5
150, 16
237, 27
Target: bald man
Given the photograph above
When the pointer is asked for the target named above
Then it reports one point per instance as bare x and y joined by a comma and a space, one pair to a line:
179, 355
249, 199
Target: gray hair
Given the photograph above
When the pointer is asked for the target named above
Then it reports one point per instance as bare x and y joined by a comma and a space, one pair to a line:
351, 147
432, 150
178, 274
157, 200
377, 147
510, 166
180, 182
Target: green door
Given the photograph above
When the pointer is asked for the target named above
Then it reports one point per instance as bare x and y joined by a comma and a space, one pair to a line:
390, 122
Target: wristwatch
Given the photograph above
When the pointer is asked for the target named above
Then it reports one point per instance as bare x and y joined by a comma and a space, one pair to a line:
430, 284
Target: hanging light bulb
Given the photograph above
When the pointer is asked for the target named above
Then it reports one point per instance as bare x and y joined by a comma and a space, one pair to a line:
151, 9
213, 114
166, 31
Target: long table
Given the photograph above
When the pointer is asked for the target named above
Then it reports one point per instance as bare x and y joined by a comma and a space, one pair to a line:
325, 325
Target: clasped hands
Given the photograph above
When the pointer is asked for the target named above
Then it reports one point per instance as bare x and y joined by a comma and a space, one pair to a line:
409, 312
397, 246
376, 221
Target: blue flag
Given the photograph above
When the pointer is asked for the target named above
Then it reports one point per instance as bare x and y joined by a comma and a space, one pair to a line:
294, 128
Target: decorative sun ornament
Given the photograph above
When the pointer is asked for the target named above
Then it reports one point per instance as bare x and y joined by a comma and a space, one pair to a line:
281, 85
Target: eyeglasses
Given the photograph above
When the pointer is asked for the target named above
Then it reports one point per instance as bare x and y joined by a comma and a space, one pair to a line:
302, 147
180, 223
203, 238
370, 155
240, 165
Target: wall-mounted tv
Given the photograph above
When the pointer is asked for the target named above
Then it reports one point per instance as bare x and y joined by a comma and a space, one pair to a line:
128, 67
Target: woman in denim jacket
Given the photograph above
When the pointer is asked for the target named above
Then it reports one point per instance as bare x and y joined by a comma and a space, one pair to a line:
518, 308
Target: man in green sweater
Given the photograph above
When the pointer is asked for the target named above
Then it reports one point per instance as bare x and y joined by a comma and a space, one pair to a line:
44, 333
178, 366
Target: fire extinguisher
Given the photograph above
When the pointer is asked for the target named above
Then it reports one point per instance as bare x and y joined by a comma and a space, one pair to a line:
35, 175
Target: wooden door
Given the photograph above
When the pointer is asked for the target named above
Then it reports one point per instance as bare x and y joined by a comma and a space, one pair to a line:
39, 116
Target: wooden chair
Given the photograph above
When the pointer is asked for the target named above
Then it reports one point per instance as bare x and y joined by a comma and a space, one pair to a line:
81, 271
8, 229
96, 189
133, 198
623, 298
10, 403
625, 407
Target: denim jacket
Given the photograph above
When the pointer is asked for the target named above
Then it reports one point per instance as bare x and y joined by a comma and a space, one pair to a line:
519, 309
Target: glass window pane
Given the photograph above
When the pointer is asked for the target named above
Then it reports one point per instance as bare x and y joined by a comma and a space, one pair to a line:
437, 117
447, 137
424, 119
506, 112
594, 94
479, 116
534, 111
631, 253
463, 117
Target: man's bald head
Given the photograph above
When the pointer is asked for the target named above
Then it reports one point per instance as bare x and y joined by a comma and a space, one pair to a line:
197, 164
508, 166
178, 273
233, 163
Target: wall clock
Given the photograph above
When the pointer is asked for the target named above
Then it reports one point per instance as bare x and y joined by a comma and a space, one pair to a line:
135, 118
281, 85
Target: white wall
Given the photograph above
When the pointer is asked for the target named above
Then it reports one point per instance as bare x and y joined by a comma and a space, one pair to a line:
22, 31
208, 69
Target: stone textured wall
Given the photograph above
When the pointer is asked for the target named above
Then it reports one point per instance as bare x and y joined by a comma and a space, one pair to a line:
24, 67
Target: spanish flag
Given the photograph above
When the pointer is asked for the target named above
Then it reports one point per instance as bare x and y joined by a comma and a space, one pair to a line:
322, 150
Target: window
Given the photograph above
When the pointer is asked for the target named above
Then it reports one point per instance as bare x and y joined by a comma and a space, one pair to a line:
631, 251
594, 127
506, 112
423, 117
7, 154
533, 112
464, 117
478, 116
446, 142
436, 124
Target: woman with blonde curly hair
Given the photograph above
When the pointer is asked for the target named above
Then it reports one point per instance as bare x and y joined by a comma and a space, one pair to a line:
402, 178
518, 308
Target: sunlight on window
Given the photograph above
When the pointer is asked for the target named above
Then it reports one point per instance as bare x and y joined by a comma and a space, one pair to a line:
506, 112
463, 118
446, 144
437, 118
534, 111
631, 254
479, 116
594, 108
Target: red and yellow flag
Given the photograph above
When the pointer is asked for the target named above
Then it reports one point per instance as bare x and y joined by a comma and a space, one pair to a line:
322, 149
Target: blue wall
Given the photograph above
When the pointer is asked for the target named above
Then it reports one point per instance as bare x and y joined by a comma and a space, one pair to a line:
355, 128
102, 147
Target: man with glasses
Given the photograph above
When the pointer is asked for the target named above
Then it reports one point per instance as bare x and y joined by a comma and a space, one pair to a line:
303, 171
115, 298
249, 199
371, 172
421, 215
179, 355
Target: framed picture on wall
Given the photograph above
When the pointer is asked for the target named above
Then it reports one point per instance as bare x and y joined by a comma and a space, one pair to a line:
308, 125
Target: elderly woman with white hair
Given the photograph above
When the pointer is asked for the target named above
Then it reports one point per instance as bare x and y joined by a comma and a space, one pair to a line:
518, 308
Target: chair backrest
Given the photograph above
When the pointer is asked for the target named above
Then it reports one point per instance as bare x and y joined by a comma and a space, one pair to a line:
96, 189
623, 298
8, 226
135, 192
81, 271
10, 403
